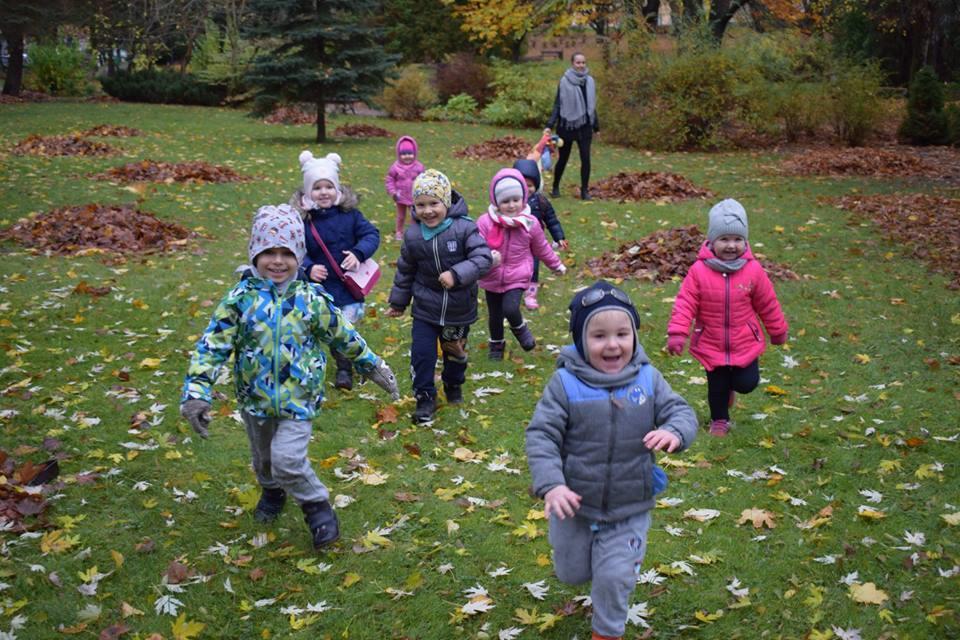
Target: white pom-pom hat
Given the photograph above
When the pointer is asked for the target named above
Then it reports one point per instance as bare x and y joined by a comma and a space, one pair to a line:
325, 168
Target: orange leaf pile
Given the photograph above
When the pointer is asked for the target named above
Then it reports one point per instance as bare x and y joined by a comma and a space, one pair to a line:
361, 131
291, 114
663, 255
505, 148
71, 145
927, 225
112, 131
151, 171
109, 228
16, 504
647, 185
860, 161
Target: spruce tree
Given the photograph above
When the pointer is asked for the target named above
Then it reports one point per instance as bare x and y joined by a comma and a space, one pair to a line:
319, 52
926, 122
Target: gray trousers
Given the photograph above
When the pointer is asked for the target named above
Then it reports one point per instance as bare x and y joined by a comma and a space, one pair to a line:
609, 554
278, 448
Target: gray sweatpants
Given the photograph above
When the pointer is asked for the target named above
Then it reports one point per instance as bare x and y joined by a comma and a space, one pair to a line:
609, 554
279, 450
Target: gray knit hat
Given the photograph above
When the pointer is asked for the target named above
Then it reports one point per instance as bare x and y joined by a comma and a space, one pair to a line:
274, 227
727, 217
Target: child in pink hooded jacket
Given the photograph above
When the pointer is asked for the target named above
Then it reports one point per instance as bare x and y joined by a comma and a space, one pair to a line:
725, 296
514, 237
399, 180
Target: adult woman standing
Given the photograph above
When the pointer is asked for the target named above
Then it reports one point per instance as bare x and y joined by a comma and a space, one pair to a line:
575, 119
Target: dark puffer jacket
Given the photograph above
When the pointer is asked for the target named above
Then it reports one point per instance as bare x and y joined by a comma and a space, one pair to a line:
461, 249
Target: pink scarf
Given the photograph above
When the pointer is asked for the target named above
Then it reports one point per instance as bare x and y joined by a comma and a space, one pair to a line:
501, 222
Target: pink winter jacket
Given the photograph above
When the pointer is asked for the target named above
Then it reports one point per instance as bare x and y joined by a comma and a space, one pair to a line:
724, 310
400, 177
516, 256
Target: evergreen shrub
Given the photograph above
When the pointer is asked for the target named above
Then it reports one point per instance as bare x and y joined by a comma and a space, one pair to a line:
163, 86
926, 123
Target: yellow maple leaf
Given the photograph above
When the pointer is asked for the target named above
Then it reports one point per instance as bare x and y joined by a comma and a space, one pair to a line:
774, 390
373, 478
528, 530
150, 363
57, 542
374, 539
815, 599
88, 575
183, 629
127, 610
867, 593
952, 519
862, 358
703, 616
926, 471
871, 514
889, 466
547, 621
826, 634
526, 617
759, 517
301, 623
350, 579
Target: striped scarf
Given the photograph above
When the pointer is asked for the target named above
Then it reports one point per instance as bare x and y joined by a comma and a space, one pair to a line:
501, 222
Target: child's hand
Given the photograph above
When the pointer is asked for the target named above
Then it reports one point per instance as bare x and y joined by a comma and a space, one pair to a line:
561, 501
349, 262
447, 280
562, 269
197, 413
547, 131
675, 345
318, 273
393, 312
563, 244
661, 440
496, 257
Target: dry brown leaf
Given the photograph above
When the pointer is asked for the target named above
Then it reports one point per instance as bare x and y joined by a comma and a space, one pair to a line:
759, 518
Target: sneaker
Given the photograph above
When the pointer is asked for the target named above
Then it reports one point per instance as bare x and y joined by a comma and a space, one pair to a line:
719, 428
530, 297
495, 349
524, 337
322, 522
454, 393
270, 505
426, 408
398, 236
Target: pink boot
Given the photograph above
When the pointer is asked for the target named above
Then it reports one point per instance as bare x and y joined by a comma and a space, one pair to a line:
530, 296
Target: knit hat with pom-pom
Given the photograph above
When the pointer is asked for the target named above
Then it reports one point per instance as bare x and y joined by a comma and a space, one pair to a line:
325, 168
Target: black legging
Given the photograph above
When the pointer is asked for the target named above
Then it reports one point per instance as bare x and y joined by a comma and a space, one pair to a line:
500, 306
722, 380
583, 137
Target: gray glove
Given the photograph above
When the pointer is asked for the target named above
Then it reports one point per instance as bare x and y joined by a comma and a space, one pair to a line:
197, 413
383, 377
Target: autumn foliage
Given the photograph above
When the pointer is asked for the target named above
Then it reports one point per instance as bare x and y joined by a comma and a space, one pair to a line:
361, 131
647, 185
664, 255
151, 171
71, 145
862, 161
107, 228
507, 148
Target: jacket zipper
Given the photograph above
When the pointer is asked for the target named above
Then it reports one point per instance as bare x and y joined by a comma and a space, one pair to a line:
726, 317
503, 257
610, 443
278, 304
443, 303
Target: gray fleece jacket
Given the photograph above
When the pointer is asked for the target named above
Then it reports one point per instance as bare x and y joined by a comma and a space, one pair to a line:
587, 433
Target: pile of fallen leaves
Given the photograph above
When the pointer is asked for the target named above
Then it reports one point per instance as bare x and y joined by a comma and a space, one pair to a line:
111, 131
361, 131
26, 96
664, 255
927, 225
505, 148
291, 114
647, 185
70, 145
150, 171
860, 161
107, 228
21, 494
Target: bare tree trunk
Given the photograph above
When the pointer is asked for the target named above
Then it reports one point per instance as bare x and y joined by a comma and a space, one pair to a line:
14, 80
321, 121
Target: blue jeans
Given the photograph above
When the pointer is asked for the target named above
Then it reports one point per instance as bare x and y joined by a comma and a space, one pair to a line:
423, 359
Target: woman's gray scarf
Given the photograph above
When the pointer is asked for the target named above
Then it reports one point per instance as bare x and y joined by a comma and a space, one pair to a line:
573, 112
726, 266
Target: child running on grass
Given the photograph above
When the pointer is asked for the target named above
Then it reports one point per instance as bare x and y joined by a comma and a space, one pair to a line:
515, 238
399, 181
590, 450
725, 295
273, 323
441, 258
330, 216
543, 211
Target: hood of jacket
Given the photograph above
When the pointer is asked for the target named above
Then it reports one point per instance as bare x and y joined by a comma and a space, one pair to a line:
571, 360
348, 201
410, 139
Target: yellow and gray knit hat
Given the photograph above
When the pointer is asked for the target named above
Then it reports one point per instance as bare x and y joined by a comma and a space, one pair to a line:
433, 183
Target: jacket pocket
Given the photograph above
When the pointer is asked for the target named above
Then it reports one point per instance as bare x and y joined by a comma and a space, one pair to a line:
756, 332
695, 338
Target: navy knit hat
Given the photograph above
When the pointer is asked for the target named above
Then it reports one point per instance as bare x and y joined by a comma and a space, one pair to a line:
530, 171
600, 296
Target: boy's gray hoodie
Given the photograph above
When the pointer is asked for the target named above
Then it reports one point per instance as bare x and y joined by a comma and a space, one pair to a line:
592, 439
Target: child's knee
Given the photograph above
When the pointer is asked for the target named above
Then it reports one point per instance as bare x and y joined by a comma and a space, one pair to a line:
571, 574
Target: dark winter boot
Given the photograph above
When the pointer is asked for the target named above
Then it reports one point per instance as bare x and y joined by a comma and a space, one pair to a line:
524, 337
426, 407
495, 349
555, 192
322, 522
585, 193
454, 393
344, 378
270, 505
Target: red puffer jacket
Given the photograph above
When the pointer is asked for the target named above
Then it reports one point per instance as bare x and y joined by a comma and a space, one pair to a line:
724, 310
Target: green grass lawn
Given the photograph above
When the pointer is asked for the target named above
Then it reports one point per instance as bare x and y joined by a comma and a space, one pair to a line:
150, 533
